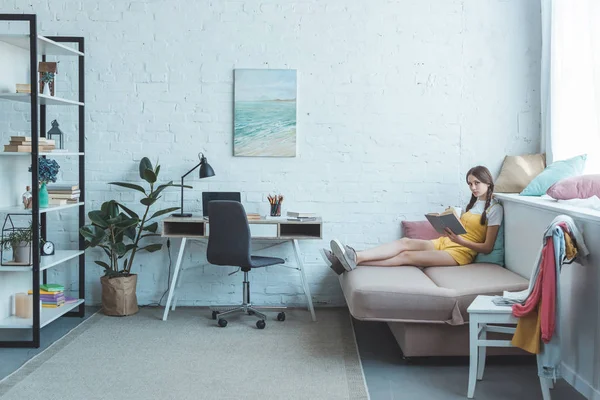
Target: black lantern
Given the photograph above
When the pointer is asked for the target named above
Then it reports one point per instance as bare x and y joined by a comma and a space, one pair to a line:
55, 131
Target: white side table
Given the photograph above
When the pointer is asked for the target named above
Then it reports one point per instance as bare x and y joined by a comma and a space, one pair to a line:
483, 316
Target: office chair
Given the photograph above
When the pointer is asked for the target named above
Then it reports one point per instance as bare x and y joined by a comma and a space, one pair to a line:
229, 244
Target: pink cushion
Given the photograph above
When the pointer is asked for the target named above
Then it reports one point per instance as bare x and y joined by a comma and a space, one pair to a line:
419, 230
576, 187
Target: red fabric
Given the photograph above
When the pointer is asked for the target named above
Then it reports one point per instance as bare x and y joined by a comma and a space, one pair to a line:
544, 289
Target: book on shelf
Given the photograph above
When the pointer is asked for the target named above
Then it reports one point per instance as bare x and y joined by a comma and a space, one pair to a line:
446, 219
23, 88
52, 287
302, 219
70, 300
44, 292
24, 149
52, 305
293, 214
68, 188
41, 142
57, 202
64, 196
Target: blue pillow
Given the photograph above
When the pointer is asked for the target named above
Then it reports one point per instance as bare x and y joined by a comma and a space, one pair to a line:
497, 254
553, 173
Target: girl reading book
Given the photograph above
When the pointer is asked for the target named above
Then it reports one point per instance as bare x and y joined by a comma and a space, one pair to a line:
482, 219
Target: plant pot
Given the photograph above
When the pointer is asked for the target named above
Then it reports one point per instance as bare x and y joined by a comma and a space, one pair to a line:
22, 252
118, 295
43, 195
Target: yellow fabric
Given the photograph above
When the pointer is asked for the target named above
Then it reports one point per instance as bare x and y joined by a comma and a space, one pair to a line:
475, 233
529, 332
571, 250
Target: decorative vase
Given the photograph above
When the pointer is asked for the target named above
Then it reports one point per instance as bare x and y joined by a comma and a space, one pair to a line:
43, 195
46, 91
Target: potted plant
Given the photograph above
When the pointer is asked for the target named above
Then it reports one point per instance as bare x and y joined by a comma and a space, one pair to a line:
19, 240
121, 233
47, 172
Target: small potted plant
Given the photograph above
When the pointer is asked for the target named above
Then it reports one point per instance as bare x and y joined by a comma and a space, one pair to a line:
48, 169
19, 240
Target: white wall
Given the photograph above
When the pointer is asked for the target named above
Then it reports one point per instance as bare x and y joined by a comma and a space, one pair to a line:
396, 100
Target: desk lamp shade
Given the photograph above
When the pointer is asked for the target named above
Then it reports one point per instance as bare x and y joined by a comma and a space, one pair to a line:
206, 171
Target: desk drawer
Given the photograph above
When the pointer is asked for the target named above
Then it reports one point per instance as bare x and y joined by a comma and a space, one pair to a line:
258, 231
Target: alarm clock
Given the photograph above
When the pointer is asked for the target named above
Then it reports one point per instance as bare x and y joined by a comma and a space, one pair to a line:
48, 248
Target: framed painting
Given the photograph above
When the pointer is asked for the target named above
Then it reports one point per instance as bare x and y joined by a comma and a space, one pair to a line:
264, 113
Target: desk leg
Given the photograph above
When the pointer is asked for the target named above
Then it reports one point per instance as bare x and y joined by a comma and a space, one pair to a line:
545, 384
481, 350
175, 277
473, 346
304, 281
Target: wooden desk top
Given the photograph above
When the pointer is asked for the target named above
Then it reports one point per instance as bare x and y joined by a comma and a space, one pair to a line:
274, 228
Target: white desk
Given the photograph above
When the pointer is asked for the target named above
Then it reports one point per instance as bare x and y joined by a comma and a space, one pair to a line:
276, 229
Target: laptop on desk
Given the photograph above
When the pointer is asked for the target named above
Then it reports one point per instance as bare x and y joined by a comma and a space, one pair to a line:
210, 196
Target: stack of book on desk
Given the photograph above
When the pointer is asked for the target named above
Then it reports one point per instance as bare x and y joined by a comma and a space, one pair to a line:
60, 195
301, 216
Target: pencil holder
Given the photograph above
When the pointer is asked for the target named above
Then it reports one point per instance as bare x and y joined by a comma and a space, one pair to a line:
276, 210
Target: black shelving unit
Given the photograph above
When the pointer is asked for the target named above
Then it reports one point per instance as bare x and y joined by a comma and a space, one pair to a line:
38, 129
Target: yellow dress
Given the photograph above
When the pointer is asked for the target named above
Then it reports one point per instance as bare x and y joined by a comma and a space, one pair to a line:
475, 233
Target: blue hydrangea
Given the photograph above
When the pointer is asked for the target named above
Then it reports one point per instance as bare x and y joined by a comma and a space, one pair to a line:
48, 169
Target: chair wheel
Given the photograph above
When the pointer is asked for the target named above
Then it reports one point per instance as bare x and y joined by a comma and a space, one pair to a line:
260, 324
214, 314
281, 316
222, 322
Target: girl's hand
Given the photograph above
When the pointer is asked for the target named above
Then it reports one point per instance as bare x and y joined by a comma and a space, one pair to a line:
453, 237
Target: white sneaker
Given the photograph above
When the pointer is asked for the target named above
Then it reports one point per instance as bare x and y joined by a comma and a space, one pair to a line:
346, 254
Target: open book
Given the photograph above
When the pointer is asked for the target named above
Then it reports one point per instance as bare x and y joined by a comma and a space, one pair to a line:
447, 219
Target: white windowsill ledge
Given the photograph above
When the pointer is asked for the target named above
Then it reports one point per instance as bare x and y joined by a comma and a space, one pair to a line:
547, 203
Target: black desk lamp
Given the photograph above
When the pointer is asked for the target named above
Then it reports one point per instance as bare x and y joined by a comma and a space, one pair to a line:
206, 171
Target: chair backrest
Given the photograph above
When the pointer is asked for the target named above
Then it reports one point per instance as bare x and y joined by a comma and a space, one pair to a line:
229, 240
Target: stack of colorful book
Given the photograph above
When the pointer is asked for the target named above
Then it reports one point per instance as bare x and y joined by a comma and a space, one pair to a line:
22, 144
52, 295
59, 195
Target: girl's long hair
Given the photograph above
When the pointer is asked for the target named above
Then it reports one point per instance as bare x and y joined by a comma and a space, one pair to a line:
483, 175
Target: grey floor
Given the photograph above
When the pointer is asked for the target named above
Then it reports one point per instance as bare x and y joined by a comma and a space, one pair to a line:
388, 375
445, 378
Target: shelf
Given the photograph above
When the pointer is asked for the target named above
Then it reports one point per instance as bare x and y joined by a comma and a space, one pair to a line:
42, 99
45, 46
44, 153
59, 257
48, 315
19, 209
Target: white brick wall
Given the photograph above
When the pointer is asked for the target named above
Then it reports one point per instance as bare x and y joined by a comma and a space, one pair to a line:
396, 100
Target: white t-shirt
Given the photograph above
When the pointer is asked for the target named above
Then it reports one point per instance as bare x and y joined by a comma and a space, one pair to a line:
494, 214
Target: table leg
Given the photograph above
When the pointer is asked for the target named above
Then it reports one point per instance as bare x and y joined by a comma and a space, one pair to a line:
175, 277
473, 338
304, 281
481, 350
544, 384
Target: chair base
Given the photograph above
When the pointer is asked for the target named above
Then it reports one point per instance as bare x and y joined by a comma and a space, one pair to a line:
246, 308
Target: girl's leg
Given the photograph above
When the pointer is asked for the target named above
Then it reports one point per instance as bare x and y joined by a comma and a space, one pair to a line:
392, 249
418, 258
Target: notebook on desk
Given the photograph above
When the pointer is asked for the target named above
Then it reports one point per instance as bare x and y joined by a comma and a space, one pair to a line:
210, 196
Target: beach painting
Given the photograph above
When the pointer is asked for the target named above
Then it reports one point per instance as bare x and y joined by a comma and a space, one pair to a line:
264, 113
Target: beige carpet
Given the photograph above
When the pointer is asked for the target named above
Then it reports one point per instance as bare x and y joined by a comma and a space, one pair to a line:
189, 357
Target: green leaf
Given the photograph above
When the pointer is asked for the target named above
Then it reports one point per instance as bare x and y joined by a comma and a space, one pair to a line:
145, 164
148, 201
152, 227
152, 248
129, 186
128, 211
157, 169
130, 247
162, 212
120, 248
130, 233
99, 218
150, 235
110, 208
102, 264
92, 234
149, 176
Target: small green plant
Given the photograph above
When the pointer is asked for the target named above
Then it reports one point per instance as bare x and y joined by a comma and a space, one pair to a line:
17, 236
47, 77
119, 231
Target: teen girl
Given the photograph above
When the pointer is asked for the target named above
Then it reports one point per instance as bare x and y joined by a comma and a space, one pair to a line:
481, 220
